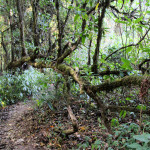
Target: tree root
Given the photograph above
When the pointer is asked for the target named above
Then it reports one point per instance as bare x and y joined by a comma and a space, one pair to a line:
74, 125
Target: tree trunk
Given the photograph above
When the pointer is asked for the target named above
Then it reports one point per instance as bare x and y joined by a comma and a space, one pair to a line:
11, 19
34, 4
4, 47
21, 26
1, 64
99, 37
89, 53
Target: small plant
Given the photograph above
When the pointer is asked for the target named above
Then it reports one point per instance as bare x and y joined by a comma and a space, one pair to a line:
114, 122
11, 89
96, 145
125, 137
142, 142
85, 144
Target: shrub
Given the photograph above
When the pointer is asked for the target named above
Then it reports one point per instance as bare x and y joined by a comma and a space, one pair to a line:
14, 88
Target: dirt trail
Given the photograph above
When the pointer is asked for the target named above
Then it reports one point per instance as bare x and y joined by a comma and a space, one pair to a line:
9, 133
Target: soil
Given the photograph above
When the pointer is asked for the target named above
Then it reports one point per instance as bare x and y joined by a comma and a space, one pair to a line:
10, 137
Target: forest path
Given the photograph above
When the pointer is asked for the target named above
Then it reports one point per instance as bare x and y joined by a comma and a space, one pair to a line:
10, 138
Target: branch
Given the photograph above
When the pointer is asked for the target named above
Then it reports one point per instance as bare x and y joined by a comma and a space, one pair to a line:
67, 70
126, 81
143, 62
68, 13
108, 72
93, 8
30, 60
91, 89
128, 45
74, 122
142, 68
115, 72
70, 48
3, 43
130, 15
12, 26
114, 108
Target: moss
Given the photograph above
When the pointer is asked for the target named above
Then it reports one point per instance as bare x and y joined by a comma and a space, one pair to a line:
126, 81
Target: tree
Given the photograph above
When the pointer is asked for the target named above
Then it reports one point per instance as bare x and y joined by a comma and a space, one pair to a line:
21, 25
61, 29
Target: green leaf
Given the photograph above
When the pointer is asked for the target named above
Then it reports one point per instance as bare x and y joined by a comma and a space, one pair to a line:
147, 135
140, 30
70, 7
84, 16
120, 1
84, 145
97, 142
135, 145
90, 36
141, 45
50, 105
123, 113
141, 107
91, 3
147, 4
138, 19
128, 98
119, 21
83, 39
126, 64
129, 20
114, 122
76, 17
147, 50
142, 138
129, 49
148, 12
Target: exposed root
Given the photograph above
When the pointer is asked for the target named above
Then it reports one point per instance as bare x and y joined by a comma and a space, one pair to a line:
74, 125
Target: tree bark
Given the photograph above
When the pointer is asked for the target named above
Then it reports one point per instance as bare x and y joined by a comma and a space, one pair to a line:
99, 37
5, 49
21, 26
34, 4
11, 19
89, 53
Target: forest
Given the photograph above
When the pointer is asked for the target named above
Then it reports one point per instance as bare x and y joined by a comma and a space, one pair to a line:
75, 74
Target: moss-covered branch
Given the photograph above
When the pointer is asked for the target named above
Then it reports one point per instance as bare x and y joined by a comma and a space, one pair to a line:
126, 81
19, 63
71, 47
67, 70
109, 72
28, 59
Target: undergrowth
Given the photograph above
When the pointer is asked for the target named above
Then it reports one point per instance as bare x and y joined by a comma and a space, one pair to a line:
127, 136
20, 87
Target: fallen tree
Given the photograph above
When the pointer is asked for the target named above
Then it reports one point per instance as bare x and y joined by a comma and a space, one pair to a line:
89, 89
